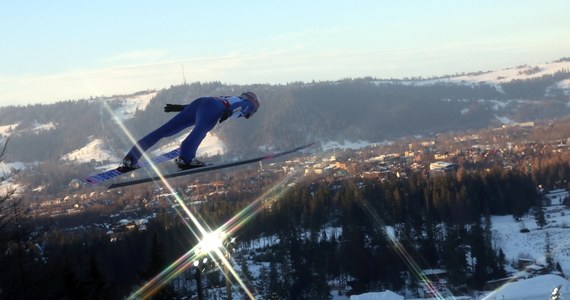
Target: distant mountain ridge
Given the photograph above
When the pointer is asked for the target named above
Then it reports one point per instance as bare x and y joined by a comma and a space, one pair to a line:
364, 109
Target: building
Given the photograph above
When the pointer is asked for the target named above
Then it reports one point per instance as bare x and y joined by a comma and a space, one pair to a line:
442, 166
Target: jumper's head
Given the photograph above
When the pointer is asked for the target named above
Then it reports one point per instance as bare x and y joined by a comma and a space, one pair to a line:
251, 97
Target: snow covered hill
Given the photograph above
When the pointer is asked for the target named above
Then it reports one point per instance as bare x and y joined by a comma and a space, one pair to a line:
498, 77
6, 130
524, 72
536, 288
93, 151
532, 244
130, 104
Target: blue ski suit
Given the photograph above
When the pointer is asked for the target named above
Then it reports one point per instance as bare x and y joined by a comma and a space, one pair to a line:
202, 113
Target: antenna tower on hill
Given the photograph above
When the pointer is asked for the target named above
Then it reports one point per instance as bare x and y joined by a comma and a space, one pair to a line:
183, 76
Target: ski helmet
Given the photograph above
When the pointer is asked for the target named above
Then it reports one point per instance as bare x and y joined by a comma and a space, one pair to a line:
252, 97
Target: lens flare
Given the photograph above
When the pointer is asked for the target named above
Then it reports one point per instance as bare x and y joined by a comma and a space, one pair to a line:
211, 242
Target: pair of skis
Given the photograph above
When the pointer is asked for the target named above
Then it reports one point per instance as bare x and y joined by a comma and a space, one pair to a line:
110, 174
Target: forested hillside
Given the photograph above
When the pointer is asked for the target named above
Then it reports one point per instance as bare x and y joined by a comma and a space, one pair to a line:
352, 109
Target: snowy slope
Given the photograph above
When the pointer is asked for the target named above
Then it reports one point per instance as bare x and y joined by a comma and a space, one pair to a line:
131, 104
515, 244
540, 287
37, 127
94, 150
6, 168
386, 295
536, 288
496, 78
517, 73
506, 75
5, 130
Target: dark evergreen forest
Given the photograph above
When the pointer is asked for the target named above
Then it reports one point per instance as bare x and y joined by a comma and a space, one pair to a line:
436, 222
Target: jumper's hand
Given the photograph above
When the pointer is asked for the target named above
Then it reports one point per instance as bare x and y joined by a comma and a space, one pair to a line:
174, 107
225, 115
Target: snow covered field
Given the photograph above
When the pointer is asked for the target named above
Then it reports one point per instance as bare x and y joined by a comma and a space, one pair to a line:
95, 150
531, 245
537, 288
507, 235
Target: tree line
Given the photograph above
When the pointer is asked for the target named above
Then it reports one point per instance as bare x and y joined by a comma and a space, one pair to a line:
386, 231
289, 113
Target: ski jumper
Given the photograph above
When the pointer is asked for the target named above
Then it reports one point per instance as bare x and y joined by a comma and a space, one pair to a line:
203, 113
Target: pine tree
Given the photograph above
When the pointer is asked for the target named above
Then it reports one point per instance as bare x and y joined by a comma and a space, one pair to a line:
246, 273
539, 214
275, 285
502, 261
550, 264
155, 266
263, 281
156, 262
72, 288
455, 256
95, 284
480, 253
18, 260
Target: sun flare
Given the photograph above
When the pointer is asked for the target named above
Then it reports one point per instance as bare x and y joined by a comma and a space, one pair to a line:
211, 241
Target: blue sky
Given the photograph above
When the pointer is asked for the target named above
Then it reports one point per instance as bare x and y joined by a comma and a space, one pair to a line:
59, 50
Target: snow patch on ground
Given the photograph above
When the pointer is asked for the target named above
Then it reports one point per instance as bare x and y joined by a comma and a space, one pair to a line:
331, 145
131, 104
504, 120
387, 295
6, 182
94, 150
6, 168
37, 127
210, 146
496, 78
5, 130
497, 105
516, 244
539, 287
509, 74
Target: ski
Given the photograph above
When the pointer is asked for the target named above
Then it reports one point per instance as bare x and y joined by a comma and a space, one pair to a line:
208, 168
110, 174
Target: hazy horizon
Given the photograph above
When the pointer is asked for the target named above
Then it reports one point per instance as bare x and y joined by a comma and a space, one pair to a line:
59, 51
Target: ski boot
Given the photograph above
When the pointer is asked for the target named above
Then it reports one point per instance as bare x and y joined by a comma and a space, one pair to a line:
194, 163
127, 165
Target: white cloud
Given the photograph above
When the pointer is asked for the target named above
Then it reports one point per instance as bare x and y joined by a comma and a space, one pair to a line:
156, 69
139, 55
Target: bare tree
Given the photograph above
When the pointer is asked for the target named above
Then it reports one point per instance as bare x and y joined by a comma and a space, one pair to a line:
14, 257
5, 195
